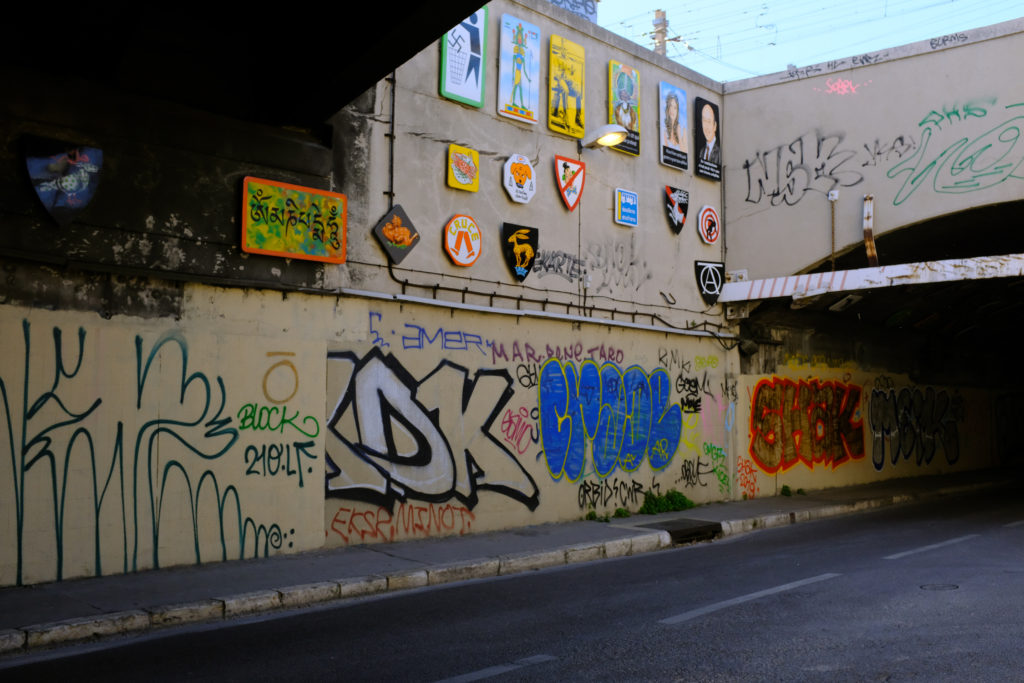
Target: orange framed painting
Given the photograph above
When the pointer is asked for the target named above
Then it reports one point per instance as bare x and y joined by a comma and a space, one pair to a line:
291, 221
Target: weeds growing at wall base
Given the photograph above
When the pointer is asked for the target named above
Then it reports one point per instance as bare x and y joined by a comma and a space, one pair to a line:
672, 501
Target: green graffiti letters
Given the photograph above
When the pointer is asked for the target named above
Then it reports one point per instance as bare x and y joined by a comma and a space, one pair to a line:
274, 419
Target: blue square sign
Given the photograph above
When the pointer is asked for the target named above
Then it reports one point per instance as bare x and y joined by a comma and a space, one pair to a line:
626, 207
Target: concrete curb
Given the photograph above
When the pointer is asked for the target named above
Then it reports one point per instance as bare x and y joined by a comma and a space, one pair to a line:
767, 521
463, 571
306, 595
85, 628
290, 597
172, 615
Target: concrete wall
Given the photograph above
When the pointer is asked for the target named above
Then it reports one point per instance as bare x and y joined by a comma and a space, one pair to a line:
585, 259
929, 129
133, 444
815, 426
444, 422
216, 405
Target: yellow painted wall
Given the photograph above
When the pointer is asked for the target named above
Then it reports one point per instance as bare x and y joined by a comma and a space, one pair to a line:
260, 422
813, 427
444, 423
131, 444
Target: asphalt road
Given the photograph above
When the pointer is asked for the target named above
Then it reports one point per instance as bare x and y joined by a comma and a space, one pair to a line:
928, 592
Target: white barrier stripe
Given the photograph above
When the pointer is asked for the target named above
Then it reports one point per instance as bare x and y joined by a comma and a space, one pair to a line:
693, 614
933, 546
497, 670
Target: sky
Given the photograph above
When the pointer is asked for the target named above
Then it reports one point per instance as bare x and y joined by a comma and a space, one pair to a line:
746, 38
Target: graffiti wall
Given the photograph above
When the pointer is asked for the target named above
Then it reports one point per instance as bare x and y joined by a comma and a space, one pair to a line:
442, 423
138, 445
824, 428
877, 125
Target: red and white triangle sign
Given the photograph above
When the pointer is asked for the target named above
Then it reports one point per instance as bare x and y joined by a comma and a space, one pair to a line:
570, 175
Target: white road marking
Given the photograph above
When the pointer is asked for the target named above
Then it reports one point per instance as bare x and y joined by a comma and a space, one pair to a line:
1020, 523
693, 614
933, 546
499, 669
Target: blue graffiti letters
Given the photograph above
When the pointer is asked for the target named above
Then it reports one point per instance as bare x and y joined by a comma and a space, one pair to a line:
623, 417
451, 340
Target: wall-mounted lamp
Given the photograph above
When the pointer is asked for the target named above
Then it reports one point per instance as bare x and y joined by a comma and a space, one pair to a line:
605, 136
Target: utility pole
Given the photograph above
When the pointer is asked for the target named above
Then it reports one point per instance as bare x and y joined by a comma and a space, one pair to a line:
660, 31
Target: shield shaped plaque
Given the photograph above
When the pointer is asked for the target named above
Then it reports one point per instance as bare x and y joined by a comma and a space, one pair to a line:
677, 202
519, 246
65, 176
710, 276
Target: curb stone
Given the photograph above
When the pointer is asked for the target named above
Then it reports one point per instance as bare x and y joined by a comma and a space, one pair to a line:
84, 628
11, 639
523, 562
362, 585
308, 593
584, 553
119, 623
411, 579
186, 612
618, 548
473, 569
649, 542
247, 603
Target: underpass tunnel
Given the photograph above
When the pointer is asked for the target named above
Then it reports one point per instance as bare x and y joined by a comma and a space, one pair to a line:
958, 333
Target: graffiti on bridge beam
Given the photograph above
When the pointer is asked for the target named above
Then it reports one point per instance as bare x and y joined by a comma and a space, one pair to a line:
965, 163
623, 417
914, 423
813, 162
430, 439
813, 422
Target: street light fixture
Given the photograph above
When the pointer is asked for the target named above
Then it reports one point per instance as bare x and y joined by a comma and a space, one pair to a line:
605, 136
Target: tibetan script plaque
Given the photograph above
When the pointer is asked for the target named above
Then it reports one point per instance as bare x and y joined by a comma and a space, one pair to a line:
279, 219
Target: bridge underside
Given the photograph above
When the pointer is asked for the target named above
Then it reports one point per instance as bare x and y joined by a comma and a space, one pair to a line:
955, 323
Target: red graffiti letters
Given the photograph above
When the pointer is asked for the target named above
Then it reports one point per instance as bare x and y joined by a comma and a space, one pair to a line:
807, 421
408, 520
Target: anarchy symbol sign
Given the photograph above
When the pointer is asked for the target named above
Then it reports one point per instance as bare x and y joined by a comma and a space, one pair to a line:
710, 276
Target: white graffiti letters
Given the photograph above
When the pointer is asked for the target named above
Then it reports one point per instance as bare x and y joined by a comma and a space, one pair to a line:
428, 439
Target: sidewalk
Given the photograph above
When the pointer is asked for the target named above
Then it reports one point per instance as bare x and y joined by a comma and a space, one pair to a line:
44, 615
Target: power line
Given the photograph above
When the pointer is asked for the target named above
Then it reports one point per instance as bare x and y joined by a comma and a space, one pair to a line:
780, 32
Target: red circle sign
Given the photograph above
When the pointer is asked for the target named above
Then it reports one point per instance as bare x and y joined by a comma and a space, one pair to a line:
708, 225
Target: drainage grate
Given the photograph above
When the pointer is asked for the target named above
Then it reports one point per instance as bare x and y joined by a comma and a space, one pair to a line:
939, 587
687, 530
